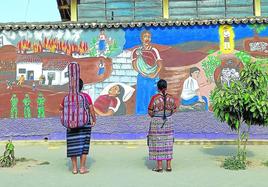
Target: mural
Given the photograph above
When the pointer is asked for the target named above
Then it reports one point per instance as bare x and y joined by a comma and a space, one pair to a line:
120, 67
147, 62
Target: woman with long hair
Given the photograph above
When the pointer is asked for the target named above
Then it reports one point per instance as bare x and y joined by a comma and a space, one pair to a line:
161, 131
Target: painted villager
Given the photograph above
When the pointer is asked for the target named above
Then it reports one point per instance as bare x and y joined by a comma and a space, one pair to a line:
78, 139
147, 62
21, 81
226, 35
102, 45
191, 93
161, 131
33, 86
112, 99
10, 84
101, 69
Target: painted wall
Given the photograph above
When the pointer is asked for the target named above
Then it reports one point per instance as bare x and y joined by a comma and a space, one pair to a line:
34, 67
120, 67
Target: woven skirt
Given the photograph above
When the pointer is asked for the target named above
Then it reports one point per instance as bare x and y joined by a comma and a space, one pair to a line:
78, 141
160, 139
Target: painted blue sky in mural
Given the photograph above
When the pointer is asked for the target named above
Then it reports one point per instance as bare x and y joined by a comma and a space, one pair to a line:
178, 35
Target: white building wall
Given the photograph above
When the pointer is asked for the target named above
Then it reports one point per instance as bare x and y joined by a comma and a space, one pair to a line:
29, 66
57, 77
63, 79
90, 90
122, 72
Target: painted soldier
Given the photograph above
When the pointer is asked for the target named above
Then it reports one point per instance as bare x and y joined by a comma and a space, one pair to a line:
40, 106
14, 106
27, 106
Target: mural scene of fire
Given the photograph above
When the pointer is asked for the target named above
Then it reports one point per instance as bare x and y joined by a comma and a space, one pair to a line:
120, 67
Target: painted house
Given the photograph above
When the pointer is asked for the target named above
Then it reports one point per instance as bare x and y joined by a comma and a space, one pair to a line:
56, 73
30, 66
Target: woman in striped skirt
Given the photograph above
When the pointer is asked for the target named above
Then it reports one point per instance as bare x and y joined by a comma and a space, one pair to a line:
78, 139
161, 131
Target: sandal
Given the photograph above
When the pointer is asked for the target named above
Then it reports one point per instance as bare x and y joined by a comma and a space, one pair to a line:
169, 169
83, 171
157, 170
75, 172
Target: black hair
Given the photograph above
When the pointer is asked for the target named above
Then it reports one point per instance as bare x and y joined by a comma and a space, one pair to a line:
122, 107
193, 69
81, 84
162, 86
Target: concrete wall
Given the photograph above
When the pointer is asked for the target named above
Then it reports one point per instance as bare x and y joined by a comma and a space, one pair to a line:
169, 52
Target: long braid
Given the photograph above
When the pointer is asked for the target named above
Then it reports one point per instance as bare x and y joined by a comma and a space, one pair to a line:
165, 100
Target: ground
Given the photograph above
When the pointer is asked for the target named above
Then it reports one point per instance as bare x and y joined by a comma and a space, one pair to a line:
127, 166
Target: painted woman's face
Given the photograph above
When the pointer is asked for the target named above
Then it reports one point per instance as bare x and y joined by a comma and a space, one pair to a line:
114, 91
146, 38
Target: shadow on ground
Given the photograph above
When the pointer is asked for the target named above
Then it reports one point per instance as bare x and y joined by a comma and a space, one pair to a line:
224, 151
150, 164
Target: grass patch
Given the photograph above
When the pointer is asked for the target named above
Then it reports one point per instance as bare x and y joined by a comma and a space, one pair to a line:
234, 163
265, 163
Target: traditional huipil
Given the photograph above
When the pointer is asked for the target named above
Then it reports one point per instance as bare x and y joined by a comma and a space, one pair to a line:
161, 131
78, 139
146, 62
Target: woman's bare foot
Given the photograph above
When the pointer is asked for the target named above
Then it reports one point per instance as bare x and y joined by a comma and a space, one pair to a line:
75, 171
83, 170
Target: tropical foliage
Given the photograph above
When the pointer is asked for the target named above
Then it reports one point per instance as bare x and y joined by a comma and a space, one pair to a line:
8, 159
243, 102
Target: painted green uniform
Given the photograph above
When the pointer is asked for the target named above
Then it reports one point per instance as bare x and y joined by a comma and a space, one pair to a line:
27, 108
41, 106
14, 106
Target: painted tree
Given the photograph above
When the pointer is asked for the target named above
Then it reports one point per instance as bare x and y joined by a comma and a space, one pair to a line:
244, 101
210, 64
258, 28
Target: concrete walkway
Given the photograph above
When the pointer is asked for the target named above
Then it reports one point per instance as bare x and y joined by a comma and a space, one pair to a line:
127, 166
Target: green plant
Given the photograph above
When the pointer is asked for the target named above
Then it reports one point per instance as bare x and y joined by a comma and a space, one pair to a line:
8, 159
210, 65
244, 57
93, 48
112, 47
265, 163
258, 28
244, 101
263, 63
211, 51
234, 163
